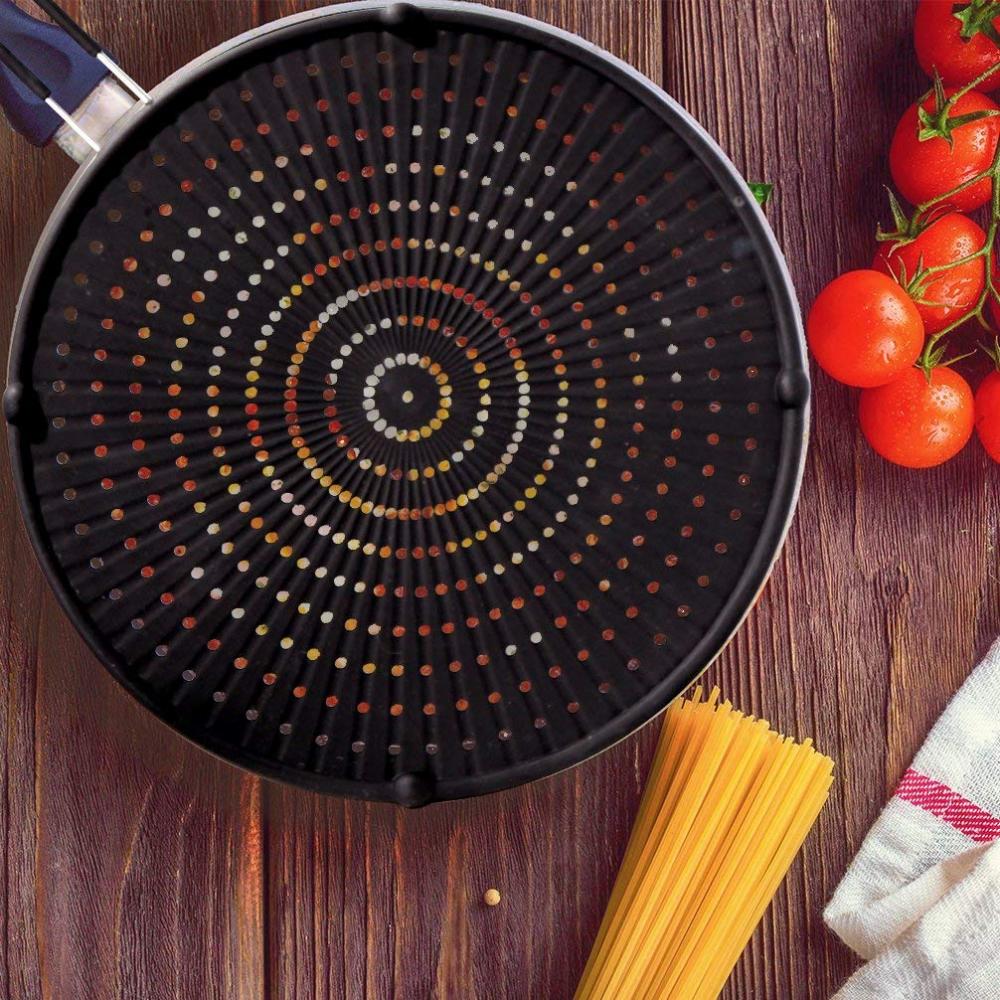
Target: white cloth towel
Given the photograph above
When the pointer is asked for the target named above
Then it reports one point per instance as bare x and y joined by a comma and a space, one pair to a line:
921, 901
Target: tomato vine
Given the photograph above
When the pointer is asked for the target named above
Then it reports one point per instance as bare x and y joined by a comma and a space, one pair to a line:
936, 124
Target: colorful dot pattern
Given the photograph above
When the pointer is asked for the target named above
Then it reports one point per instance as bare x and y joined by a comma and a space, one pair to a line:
407, 409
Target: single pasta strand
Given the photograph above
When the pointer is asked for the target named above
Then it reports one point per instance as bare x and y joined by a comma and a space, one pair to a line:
726, 807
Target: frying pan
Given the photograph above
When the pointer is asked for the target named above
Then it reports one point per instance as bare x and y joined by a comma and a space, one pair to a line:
407, 402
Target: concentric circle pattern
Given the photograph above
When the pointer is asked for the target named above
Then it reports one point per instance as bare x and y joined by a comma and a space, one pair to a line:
407, 409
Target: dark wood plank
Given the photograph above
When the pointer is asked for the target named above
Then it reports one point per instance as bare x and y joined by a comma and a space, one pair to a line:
135, 866
20, 596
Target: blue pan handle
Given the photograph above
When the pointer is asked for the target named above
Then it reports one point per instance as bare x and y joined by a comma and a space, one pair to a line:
56, 59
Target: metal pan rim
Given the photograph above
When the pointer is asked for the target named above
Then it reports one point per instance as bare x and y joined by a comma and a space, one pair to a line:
787, 320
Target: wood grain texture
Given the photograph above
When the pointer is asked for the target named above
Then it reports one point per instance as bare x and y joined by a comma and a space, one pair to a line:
134, 866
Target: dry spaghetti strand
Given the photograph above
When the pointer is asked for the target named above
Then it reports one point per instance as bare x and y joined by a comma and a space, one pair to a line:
727, 805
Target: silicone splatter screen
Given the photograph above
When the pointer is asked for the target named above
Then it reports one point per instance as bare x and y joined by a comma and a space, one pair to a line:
401, 411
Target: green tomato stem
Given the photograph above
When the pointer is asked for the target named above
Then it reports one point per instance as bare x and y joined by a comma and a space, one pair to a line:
962, 91
988, 250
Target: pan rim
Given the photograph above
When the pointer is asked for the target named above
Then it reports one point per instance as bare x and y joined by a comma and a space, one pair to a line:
788, 328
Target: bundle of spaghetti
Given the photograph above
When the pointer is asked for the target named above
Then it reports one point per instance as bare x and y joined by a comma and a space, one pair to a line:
727, 805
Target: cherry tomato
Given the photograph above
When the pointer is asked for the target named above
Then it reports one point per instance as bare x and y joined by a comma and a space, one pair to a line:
937, 31
918, 420
925, 170
948, 239
863, 329
988, 414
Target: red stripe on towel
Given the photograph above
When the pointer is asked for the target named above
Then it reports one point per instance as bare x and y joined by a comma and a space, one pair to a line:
945, 803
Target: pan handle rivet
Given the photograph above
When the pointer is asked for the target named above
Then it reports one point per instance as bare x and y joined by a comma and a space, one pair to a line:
399, 13
412, 789
791, 388
407, 20
12, 397
22, 410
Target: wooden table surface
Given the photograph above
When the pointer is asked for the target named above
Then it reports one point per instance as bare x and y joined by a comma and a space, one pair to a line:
134, 866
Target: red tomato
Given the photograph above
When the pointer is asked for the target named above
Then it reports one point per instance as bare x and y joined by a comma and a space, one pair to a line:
950, 238
925, 170
863, 329
988, 414
940, 46
918, 420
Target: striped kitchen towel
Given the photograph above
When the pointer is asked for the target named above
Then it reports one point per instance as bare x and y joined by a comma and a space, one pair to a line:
921, 901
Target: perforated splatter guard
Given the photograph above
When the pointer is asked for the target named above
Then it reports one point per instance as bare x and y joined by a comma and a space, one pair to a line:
409, 403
